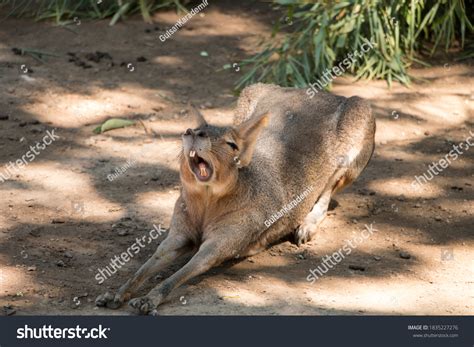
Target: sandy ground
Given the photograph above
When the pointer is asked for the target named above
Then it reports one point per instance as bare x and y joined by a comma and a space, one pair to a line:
61, 218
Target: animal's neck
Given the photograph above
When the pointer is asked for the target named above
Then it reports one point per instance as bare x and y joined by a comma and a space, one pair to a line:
207, 202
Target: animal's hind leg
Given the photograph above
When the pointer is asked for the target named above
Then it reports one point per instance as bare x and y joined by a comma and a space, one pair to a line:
342, 178
310, 224
308, 228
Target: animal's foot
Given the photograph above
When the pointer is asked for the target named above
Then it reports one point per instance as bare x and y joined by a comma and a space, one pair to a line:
144, 305
108, 300
305, 232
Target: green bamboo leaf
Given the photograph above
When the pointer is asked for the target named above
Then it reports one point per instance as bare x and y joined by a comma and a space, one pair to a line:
113, 123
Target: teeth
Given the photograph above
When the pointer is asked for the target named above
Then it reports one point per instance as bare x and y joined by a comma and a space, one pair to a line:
192, 154
203, 171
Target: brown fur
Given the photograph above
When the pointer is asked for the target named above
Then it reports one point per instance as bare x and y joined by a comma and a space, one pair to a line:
282, 142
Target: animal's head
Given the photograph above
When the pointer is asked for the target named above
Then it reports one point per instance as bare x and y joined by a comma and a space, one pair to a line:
213, 155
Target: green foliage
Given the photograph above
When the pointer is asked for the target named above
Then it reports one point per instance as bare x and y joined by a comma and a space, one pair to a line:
321, 34
62, 11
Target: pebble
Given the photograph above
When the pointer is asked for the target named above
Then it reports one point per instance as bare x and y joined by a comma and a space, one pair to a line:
357, 267
31, 268
8, 310
57, 221
36, 130
404, 255
122, 232
68, 254
60, 263
376, 257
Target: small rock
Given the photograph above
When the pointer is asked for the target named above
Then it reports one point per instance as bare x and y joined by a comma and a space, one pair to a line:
31, 268
57, 221
401, 198
300, 256
36, 130
8, 310
404, 255
141, 59
438, 219
68, 254
22, 124
60, 263
357, 267
122, 232
427, 133
35, 232
4, 117
417, 205
376, 257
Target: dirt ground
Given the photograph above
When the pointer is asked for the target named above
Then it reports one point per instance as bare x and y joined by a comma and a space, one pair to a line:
61, 218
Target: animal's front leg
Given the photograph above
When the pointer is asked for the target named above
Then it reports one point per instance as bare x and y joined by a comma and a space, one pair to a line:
172, 248
211, 253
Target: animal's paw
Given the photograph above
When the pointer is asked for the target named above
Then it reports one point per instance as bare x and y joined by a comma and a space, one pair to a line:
108, 300
305, 233
144, 305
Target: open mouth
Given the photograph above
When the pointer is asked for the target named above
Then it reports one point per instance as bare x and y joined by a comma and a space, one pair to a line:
201, 168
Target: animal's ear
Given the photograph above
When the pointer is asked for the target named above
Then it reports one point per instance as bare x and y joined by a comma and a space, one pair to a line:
197, 115
248, 133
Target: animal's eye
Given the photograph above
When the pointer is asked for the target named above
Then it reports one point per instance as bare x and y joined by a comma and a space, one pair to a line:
232, 145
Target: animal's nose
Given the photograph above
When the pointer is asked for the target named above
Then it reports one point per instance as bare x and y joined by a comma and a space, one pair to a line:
189, 132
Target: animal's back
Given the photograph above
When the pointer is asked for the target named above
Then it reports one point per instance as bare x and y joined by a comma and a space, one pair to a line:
304, 142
